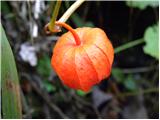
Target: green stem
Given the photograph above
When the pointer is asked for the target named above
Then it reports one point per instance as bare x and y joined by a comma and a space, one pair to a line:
128, 45
50, 28
54, 15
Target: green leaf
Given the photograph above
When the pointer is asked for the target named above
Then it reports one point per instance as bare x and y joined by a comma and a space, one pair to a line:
44, 66
118, 75
142, 4
151, 37
11, 103
129, 83
81, 93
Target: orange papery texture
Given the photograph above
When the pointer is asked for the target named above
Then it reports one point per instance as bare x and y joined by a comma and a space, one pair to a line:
82, 66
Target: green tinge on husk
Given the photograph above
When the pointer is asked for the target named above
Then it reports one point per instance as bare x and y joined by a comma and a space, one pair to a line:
10, 89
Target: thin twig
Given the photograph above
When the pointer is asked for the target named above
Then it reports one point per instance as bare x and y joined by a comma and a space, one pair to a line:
47, 99
46, 111
87, 104
25, 106
44, 96
115, 89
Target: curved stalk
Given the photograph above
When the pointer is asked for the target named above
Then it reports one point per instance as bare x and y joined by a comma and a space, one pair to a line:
70, 11
75, 35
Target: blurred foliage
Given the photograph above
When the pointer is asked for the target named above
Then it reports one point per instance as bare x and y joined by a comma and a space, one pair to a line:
130, 83
118, 74
11, 102
49, 86
5, 7
44, 66
142, 4
79, 21
151, 37
44, 69
81, 93
126, 80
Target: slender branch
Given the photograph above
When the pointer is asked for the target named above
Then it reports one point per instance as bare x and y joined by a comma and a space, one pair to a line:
69, 12
25, 106
128, 45
47, 99
81, 101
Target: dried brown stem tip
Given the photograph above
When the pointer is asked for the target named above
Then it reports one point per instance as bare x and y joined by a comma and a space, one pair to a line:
49, 31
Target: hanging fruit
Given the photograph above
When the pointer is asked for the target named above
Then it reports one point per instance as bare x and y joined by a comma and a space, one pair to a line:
82, 57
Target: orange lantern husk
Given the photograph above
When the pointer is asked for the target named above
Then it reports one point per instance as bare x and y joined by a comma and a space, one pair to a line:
82, 57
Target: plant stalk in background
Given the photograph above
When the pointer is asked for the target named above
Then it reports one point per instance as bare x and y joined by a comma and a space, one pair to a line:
128, 45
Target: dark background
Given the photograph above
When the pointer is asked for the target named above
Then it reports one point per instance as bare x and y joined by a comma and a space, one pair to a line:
41, 87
